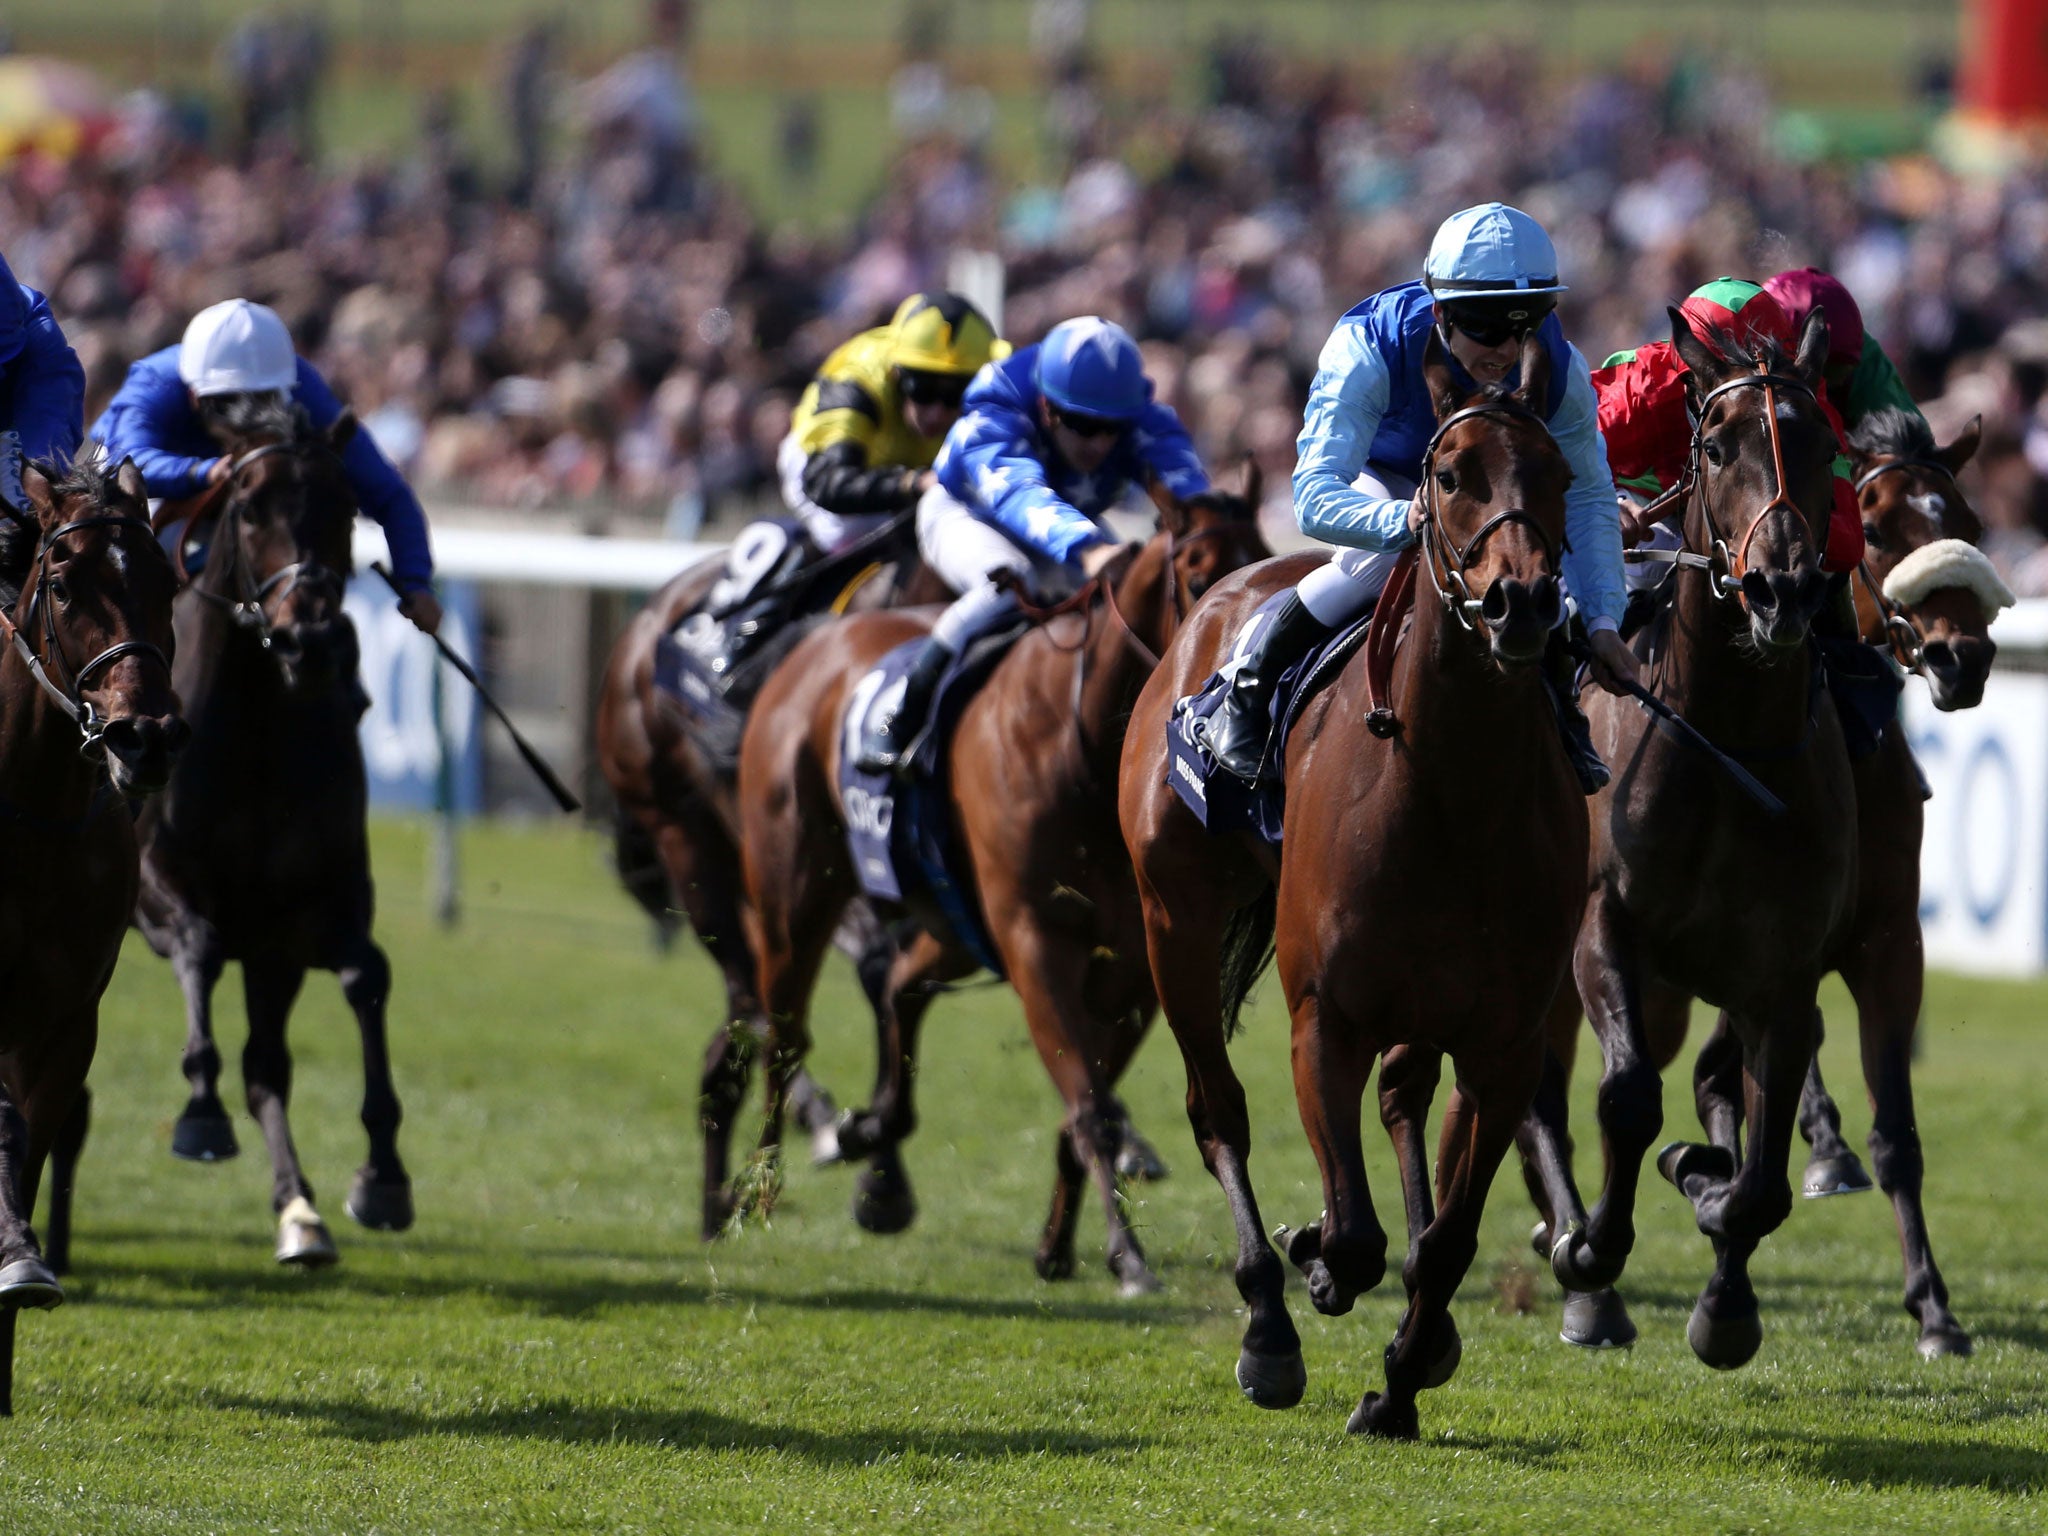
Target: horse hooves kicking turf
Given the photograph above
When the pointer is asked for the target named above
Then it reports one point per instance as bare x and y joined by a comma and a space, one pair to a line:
29, 1283
1724, 1343
1841, 1175
302, 1237
1945, 1344
204, 1138
883, 1203
1597, 1320
1272, 1381
1382, 1417
1139, 1160
382, 1207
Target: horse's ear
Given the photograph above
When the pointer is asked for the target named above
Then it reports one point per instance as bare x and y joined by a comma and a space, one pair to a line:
130, 480
1813, 347
1698, 357
1173, 512
1444, 393
343, 431
1534, 390
36, 486
1254, 491
1954, 455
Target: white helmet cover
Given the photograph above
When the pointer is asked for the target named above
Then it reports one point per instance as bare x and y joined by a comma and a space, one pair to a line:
237, 348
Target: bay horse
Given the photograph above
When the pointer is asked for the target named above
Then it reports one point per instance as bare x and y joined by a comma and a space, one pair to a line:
1031, 778
257, 850
1422, 903
88, 720
1697, 891
1911, 502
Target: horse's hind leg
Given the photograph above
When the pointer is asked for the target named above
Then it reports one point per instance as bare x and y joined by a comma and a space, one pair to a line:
1832, 1168
64, 1154
25, 1279
381, 1195
271, 988
204, 1133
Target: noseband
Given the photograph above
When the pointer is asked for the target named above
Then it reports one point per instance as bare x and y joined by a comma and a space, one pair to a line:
246, 599
71, 700
1445, 565
1902, 635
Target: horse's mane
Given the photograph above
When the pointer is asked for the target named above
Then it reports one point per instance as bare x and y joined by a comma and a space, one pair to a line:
1892, 433
21, 537
266, 415
1758, 351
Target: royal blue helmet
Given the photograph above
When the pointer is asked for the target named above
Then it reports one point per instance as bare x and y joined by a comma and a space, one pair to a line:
1092, 368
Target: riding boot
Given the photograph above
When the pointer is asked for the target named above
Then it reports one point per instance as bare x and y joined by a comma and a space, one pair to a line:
887, 738
1560, 681
1237, 732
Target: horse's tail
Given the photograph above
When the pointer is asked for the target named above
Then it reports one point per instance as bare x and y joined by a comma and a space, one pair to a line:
1247, 951
640, 871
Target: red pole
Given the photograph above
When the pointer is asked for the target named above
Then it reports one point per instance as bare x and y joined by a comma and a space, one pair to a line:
2005, 64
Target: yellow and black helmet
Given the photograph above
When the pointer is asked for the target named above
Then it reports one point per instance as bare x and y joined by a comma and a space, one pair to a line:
942, 333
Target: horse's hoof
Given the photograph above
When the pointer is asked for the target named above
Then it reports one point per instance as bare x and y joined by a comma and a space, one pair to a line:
1445, 1366
1683, 1160
302, 1237
1842, 1175
1054, 1266
1725, 1343
1138, 1160
883, 1203
1139, 1282
381, 1206
1540, 1239
717, 1215
1382, 1418
29, 1283
825, 1148
203, 1138
1597, 1320
1272, 1381
1576, 1265
1949, 1343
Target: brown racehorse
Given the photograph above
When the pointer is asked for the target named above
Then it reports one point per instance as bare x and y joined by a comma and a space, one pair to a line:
678, 851
1695, 889
86, 665
1031, 775
1910, 499
1425, 896
257, 850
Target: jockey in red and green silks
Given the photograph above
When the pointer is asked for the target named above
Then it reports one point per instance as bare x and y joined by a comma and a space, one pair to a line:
1861, 379
1641, 396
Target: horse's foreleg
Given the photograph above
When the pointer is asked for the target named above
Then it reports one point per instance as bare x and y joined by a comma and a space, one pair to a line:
381, 1195
1344, 1254
1717, 1088
25, 1279
1409, 1075
1544, 1136
64, 1153
204, 1133
271, 989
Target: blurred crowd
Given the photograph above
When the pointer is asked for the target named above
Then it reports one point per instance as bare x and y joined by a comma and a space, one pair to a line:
607, 322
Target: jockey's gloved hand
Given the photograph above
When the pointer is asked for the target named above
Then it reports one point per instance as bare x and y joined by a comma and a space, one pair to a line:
423, 608
1096, 556
1613, 662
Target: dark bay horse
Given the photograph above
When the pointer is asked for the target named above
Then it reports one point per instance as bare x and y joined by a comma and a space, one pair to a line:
1031, 776
1696, 891
1918, 525
1423, 903
87, 721
257, 850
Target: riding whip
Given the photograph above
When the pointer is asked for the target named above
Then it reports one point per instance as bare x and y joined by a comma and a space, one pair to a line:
534, 760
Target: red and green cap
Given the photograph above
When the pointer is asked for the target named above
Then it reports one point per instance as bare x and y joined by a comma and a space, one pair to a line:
1740, 309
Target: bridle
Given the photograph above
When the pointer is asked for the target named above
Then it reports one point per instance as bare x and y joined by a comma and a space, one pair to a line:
81, 711
1446, 566
1902, 635
246, 599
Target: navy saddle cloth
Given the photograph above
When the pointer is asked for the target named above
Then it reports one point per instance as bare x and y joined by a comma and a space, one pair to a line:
1220, 799
900, 830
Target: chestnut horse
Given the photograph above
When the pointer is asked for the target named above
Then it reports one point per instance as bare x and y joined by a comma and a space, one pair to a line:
1697, 891
1031, 771
257, 849
1425, 895
1910, 501
87, 719
678, 850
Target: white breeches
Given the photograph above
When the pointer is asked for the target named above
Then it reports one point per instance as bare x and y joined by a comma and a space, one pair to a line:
1342, 590
964, 550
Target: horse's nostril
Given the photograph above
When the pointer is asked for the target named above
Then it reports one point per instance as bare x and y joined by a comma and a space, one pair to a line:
1494, 607
1548, 601
1938, 658
1757, 590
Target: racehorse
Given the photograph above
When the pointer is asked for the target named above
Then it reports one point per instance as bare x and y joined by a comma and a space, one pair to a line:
257, 850
678, 848
1030, 775
1697, 889
1423, 900
87, 720
1911, 503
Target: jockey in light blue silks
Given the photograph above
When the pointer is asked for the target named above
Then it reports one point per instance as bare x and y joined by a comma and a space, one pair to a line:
42, 388
1490, 278
1048, 440
159, 418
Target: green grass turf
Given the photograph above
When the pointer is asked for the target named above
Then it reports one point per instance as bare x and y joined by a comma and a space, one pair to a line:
552, 1348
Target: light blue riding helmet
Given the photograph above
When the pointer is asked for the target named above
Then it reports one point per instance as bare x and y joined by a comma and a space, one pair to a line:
1489, 250
1091, 367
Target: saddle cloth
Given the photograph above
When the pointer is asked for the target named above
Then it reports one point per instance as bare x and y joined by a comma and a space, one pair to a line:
900, 830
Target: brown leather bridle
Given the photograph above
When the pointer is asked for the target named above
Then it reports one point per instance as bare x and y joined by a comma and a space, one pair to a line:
1734, 563
1902, 635
1447, 566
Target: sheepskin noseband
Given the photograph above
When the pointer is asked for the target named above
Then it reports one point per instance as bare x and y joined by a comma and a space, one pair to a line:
1949, 563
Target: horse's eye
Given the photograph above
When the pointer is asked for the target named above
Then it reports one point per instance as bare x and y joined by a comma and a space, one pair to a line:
1446, 481
1711, 447
1872, 537
58, 590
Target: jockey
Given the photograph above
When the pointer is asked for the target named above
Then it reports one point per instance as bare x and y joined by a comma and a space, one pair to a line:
1051, 438
164, 416
1490, 278
1861, 379
42, 387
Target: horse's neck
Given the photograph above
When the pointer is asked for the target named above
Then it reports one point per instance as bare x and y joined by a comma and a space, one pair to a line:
1452, 701
1117, 667
41, 768
1709, 673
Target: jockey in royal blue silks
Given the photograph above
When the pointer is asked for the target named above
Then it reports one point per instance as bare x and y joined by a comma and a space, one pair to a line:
159, 418
1490, 278
1048, 440
42, 387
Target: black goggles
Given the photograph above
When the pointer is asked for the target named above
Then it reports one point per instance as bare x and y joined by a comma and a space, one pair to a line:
1490, 324
932, 388
1088, 426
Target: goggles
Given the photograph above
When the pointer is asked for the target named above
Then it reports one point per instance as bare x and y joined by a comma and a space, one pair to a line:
922, 388
1088, 426
1491, 322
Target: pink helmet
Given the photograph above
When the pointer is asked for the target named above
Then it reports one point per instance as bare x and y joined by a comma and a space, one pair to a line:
1808, 289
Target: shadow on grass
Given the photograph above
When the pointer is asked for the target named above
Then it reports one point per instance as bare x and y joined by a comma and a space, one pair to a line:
569, 1423
1921, 1461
